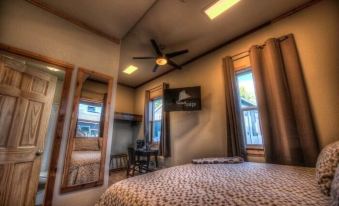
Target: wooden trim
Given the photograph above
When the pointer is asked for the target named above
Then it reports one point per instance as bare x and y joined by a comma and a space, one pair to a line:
68, 68
127, 117
72, 128
268, 23
93, 101
53, 165
83, 186
125, 85
156, 77
156, 88
83, 74
255, 152
74, 20
36, 56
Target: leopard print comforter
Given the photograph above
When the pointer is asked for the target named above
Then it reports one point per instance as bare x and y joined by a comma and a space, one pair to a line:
219, 184
84, 167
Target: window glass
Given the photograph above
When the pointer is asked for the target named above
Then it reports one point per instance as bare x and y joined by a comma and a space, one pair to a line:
89, 116
252, 127
246, 89
248, 108
155, 119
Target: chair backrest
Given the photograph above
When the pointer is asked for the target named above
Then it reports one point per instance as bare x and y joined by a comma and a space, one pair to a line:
140, 143
131, 155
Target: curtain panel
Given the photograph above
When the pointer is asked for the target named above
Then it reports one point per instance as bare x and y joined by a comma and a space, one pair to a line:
235, 140
146, 116
165, 141
284, 110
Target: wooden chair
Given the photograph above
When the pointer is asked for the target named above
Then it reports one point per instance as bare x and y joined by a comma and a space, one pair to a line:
135, 165
118, 162
140, 143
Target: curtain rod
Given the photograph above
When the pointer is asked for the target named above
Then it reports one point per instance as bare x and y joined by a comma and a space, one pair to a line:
281, 38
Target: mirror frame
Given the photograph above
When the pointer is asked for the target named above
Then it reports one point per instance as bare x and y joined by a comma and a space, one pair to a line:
82, 75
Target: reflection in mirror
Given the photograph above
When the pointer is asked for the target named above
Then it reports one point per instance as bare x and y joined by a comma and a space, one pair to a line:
88, 132
89, 117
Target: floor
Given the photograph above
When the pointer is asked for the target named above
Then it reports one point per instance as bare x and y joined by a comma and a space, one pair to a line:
117, 176
121, 175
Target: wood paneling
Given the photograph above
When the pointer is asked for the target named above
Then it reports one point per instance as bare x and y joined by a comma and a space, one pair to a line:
127, 117
21, 173
7, 106
31, 123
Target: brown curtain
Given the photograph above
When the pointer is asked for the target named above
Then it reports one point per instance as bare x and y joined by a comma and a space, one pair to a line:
165, 143
235, 141
146, 116
285, 114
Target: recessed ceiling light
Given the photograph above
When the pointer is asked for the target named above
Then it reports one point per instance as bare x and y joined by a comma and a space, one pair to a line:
219, 7
130, 69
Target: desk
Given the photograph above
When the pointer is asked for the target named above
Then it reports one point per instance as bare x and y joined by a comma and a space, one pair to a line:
148, 153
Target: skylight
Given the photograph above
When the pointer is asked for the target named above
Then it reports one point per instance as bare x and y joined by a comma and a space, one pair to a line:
219, 7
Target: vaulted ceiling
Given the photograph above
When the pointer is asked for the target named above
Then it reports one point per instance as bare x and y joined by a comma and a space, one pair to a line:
175, 24
113, 17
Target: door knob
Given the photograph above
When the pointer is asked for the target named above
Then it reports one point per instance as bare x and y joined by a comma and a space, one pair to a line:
39, 152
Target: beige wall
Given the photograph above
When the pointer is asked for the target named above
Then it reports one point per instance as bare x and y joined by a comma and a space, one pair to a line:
200, 134
124, 131
27, 27
123, 136
124, 99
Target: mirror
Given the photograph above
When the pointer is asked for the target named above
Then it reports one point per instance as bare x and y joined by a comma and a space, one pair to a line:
86, 149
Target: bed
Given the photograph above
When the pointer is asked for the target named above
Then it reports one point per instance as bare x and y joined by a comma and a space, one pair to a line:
84, 167
219, 184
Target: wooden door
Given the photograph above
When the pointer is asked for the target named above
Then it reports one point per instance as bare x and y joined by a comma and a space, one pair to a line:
26, 97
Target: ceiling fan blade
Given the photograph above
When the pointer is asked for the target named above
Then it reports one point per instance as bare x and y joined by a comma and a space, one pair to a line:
156, 47
144, 57
172, 63
155, 68
176, 53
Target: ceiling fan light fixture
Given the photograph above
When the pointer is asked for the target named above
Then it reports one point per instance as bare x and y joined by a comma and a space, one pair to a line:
161, 61
219, 7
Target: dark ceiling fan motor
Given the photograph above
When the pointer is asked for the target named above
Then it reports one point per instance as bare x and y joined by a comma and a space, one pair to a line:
163, 59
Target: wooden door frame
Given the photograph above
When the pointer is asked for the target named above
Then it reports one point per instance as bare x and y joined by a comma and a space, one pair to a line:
82, 75
68, 69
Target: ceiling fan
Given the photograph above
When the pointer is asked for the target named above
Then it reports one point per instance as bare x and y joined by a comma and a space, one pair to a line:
163, 59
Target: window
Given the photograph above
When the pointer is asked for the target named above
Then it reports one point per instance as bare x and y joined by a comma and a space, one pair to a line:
89, 116
248, 108
93, 109
155, 119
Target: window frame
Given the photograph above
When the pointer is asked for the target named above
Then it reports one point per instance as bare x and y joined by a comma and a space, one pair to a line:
151, 118
241, 110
